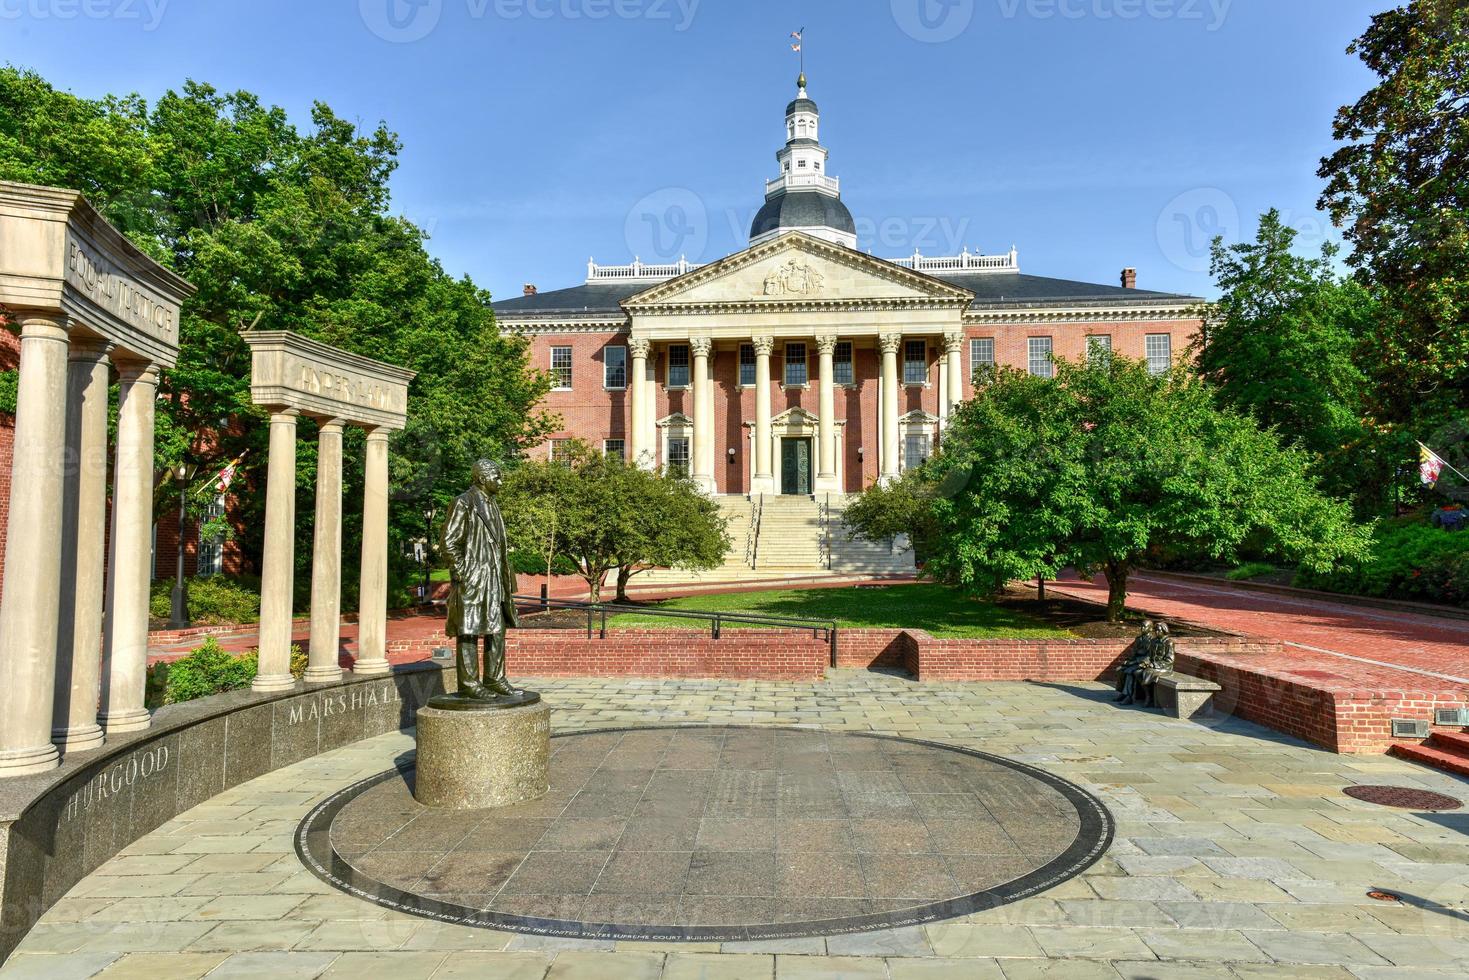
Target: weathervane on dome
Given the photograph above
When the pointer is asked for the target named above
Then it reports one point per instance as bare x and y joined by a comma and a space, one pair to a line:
799, 48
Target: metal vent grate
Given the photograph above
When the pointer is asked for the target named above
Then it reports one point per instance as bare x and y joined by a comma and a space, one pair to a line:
1409, 728
1456, 717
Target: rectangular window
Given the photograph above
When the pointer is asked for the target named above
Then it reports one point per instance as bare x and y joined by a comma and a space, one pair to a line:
981, 353
841, 364
795, 373
1098, 345
917, 447
678, 365
559, 449
614, 367
915, 362
678, 455
211, 549
747, 365
615, 448
1160, 352
561, 368
1038, 357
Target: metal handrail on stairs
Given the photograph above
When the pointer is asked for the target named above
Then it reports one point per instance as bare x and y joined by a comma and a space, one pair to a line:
752, 535
823, 511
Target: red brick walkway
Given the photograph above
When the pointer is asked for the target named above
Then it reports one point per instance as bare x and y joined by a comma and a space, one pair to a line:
1358, 642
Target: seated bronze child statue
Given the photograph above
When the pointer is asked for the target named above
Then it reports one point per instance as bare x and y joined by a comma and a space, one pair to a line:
1152, 657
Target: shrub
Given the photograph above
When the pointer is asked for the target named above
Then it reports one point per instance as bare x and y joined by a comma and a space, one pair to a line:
529, 563
214, 600
1412, 561
1249, 570
208, 670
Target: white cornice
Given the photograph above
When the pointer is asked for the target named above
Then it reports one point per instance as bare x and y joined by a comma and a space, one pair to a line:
1083, 314
538, 328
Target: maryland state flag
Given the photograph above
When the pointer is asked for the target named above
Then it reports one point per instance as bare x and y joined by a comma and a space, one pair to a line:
1430, 466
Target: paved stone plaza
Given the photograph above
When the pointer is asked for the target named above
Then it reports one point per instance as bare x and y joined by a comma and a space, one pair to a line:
1236, 855
718, 833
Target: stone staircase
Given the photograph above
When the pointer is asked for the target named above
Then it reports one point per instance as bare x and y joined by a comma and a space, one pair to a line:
796, 538
1448, 751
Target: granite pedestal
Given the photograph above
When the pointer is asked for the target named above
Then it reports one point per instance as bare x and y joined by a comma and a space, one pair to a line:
476, 760
1182, 696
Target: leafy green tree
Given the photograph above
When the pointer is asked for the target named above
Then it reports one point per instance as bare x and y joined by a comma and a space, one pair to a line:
1093, 469
667, 523
901, 508
610, 516
1399, 184
1281, 346
283, 228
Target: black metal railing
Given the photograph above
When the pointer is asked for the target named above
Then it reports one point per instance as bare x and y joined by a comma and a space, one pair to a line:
598, 612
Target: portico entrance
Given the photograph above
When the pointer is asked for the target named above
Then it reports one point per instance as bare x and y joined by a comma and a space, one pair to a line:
795, 467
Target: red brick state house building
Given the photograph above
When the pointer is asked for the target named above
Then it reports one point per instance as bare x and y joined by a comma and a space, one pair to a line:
801, 366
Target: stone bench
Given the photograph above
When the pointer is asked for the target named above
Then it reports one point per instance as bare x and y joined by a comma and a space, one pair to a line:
1183, 696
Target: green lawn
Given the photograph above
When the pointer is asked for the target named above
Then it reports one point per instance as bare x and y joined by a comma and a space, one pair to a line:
935, 608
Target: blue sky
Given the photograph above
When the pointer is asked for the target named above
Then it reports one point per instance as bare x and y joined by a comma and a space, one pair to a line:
1091, 134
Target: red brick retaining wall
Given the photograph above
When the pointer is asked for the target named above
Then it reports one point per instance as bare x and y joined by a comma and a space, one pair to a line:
864, 649
933, 659
745, 654
1333, 717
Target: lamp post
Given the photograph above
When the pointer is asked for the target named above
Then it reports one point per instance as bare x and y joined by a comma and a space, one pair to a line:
178, 613
428, 555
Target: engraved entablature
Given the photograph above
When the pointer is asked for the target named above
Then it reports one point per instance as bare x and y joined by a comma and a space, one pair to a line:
58, 254
292, 371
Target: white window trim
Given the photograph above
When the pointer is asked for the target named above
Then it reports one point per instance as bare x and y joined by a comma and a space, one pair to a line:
1050, 355
626, 369
668, 384
571, 369
927, 381
1148, 357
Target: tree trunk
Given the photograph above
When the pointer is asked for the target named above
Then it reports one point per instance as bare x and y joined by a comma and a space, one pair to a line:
594, 578
624, 575
1116, 573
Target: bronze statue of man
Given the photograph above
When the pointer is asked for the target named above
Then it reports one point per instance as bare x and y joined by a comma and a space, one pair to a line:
482, 590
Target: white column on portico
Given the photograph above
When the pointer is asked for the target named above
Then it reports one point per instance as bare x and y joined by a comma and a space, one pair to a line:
125, 647
889, 344
326, 556
33, 586
763, 481
372, 615
954, 356
826, 472
83, 551
277, 572
703, 455
641, 449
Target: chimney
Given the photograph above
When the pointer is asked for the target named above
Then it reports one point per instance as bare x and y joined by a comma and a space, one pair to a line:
1129, 278
530, 289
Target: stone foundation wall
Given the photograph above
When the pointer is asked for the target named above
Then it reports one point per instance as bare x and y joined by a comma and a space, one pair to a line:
58, 827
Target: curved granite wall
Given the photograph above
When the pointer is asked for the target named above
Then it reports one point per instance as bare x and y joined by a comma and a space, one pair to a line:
58, 827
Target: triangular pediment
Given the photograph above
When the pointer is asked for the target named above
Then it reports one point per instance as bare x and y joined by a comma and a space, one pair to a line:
798, 269
795, 415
